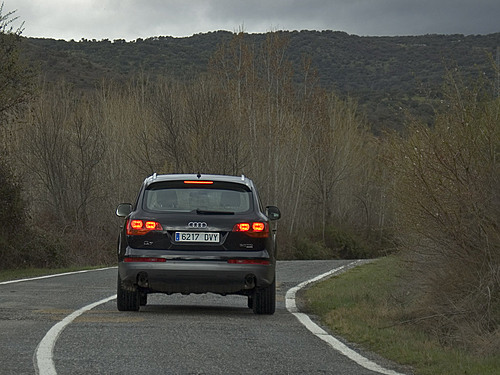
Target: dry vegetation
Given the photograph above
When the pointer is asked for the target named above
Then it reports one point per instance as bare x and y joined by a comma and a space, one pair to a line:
343, 192
446, 185
309, 151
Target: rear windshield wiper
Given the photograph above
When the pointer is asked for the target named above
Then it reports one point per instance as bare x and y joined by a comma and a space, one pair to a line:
206, 212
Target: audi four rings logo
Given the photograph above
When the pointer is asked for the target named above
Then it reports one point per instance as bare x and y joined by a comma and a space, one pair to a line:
197, 224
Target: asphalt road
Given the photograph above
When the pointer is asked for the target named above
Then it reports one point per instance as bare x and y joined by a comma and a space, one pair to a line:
195, 334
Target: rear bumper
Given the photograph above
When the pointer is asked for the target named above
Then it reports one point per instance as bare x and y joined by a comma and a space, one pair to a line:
195, 273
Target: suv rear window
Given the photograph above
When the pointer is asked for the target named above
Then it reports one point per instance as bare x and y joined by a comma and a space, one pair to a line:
184, 198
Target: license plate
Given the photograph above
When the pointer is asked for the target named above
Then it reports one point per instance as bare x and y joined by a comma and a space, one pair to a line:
196, 237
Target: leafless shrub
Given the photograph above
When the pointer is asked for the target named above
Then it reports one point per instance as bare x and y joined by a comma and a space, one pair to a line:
447, 181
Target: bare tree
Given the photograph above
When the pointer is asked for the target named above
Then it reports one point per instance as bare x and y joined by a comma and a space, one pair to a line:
337, 157
16, 78
65, 147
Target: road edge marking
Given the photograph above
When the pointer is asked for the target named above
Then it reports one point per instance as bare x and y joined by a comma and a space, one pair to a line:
53, 275
43, 358
319, 332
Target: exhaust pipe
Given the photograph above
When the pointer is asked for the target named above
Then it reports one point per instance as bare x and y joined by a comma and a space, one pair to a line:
142, 280
249, 281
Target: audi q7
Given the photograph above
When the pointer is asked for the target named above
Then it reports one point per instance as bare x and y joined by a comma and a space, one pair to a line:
197, 234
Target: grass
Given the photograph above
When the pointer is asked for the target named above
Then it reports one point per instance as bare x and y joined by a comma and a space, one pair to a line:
359, 305
6, 275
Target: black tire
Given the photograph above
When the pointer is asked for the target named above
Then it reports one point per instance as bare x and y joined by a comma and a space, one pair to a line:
264, 300
127, 300
143, 299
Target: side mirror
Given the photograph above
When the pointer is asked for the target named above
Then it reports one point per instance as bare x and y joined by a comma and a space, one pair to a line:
123, 209
273, 212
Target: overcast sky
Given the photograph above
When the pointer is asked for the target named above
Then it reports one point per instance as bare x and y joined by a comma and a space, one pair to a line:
132, 19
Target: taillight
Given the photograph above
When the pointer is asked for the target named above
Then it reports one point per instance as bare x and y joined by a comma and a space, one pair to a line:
255, 229
258, 227
199, 182
241, 227
136, 224
141, 227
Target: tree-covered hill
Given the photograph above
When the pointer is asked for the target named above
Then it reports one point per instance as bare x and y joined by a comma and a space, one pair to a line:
389, 76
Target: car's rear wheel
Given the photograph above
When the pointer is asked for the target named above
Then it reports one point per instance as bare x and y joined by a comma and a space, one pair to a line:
264, 300
250, 302
143, 299
127, 300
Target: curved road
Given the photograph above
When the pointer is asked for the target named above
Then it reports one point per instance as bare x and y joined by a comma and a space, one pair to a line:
195, 334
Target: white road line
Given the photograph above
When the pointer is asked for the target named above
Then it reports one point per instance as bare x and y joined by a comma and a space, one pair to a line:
322, 334
43, 359
54, 275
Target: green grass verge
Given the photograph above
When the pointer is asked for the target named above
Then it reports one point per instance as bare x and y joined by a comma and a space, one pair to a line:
359, 305
24, 273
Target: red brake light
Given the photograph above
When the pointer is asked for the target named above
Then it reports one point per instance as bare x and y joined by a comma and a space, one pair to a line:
136, 224
199, 182
141, 227
151, 225
256, 229
241, 227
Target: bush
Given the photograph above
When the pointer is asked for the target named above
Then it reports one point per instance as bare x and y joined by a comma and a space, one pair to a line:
305, 249
12, 215
446, 181
12, 206
337, 244
24, 244
345, 245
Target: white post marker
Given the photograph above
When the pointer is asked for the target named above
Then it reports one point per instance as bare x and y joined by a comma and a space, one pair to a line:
322, 334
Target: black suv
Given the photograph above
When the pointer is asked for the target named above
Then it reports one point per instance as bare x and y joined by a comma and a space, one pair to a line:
190, 233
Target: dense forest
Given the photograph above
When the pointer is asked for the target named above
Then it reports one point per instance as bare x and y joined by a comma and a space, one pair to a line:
383, 74
369, 146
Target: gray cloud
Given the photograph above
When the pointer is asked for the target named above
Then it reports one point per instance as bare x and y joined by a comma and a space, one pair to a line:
131, 19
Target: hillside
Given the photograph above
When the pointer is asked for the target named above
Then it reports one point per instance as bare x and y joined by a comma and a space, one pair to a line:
389, 76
